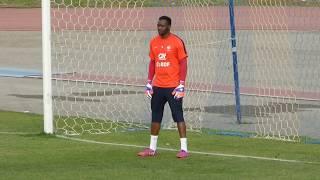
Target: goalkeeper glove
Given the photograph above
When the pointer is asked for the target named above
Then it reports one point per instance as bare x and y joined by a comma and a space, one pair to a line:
178, 92
149, 90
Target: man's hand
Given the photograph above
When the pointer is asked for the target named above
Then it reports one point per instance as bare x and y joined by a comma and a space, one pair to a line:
178, 92
149, 90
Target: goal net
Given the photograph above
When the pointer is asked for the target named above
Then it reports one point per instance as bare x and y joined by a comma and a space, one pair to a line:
100, 63
100, 58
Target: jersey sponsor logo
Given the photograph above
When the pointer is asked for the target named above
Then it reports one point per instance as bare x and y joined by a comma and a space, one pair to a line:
162, 56
163, 64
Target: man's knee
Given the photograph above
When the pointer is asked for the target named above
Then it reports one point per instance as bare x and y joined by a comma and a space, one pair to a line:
178, 116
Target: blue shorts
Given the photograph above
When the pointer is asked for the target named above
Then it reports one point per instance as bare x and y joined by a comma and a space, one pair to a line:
159, 98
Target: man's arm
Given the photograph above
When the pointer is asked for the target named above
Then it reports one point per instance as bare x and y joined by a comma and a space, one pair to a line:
183, 70
149, 90
151, 71
178, 92
182, 56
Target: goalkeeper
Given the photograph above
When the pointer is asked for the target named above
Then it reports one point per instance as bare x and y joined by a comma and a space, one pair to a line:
166, 79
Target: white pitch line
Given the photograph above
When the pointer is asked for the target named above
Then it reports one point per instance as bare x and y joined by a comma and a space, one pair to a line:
169, 149
192, 152
18, 133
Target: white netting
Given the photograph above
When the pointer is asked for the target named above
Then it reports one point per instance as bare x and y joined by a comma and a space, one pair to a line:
276, 105
269, 63
100, 57
100, 61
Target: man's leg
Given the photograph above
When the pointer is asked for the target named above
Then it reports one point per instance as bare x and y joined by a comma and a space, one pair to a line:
182, 129
177, 115
158, 102
155, 128
183, 140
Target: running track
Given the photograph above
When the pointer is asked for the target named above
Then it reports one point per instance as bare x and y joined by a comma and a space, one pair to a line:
296, 18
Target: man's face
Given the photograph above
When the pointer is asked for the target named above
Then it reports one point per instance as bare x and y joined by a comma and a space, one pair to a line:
163, 27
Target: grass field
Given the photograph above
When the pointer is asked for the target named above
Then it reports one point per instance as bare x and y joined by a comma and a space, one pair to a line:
26, 153
154, 3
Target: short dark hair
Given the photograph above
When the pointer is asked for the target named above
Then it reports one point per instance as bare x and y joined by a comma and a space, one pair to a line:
168, 19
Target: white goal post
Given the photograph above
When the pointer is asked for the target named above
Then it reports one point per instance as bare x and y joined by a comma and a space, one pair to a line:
46, 60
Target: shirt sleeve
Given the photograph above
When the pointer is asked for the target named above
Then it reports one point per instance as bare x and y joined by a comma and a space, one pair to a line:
182, 52
151, 55
183, 70
151, 70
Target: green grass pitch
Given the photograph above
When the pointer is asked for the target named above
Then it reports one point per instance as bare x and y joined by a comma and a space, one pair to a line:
26, 153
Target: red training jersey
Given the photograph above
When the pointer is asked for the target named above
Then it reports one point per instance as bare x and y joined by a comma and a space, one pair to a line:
167, 54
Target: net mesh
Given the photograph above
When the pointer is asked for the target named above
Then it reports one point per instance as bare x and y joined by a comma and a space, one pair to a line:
100, 58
